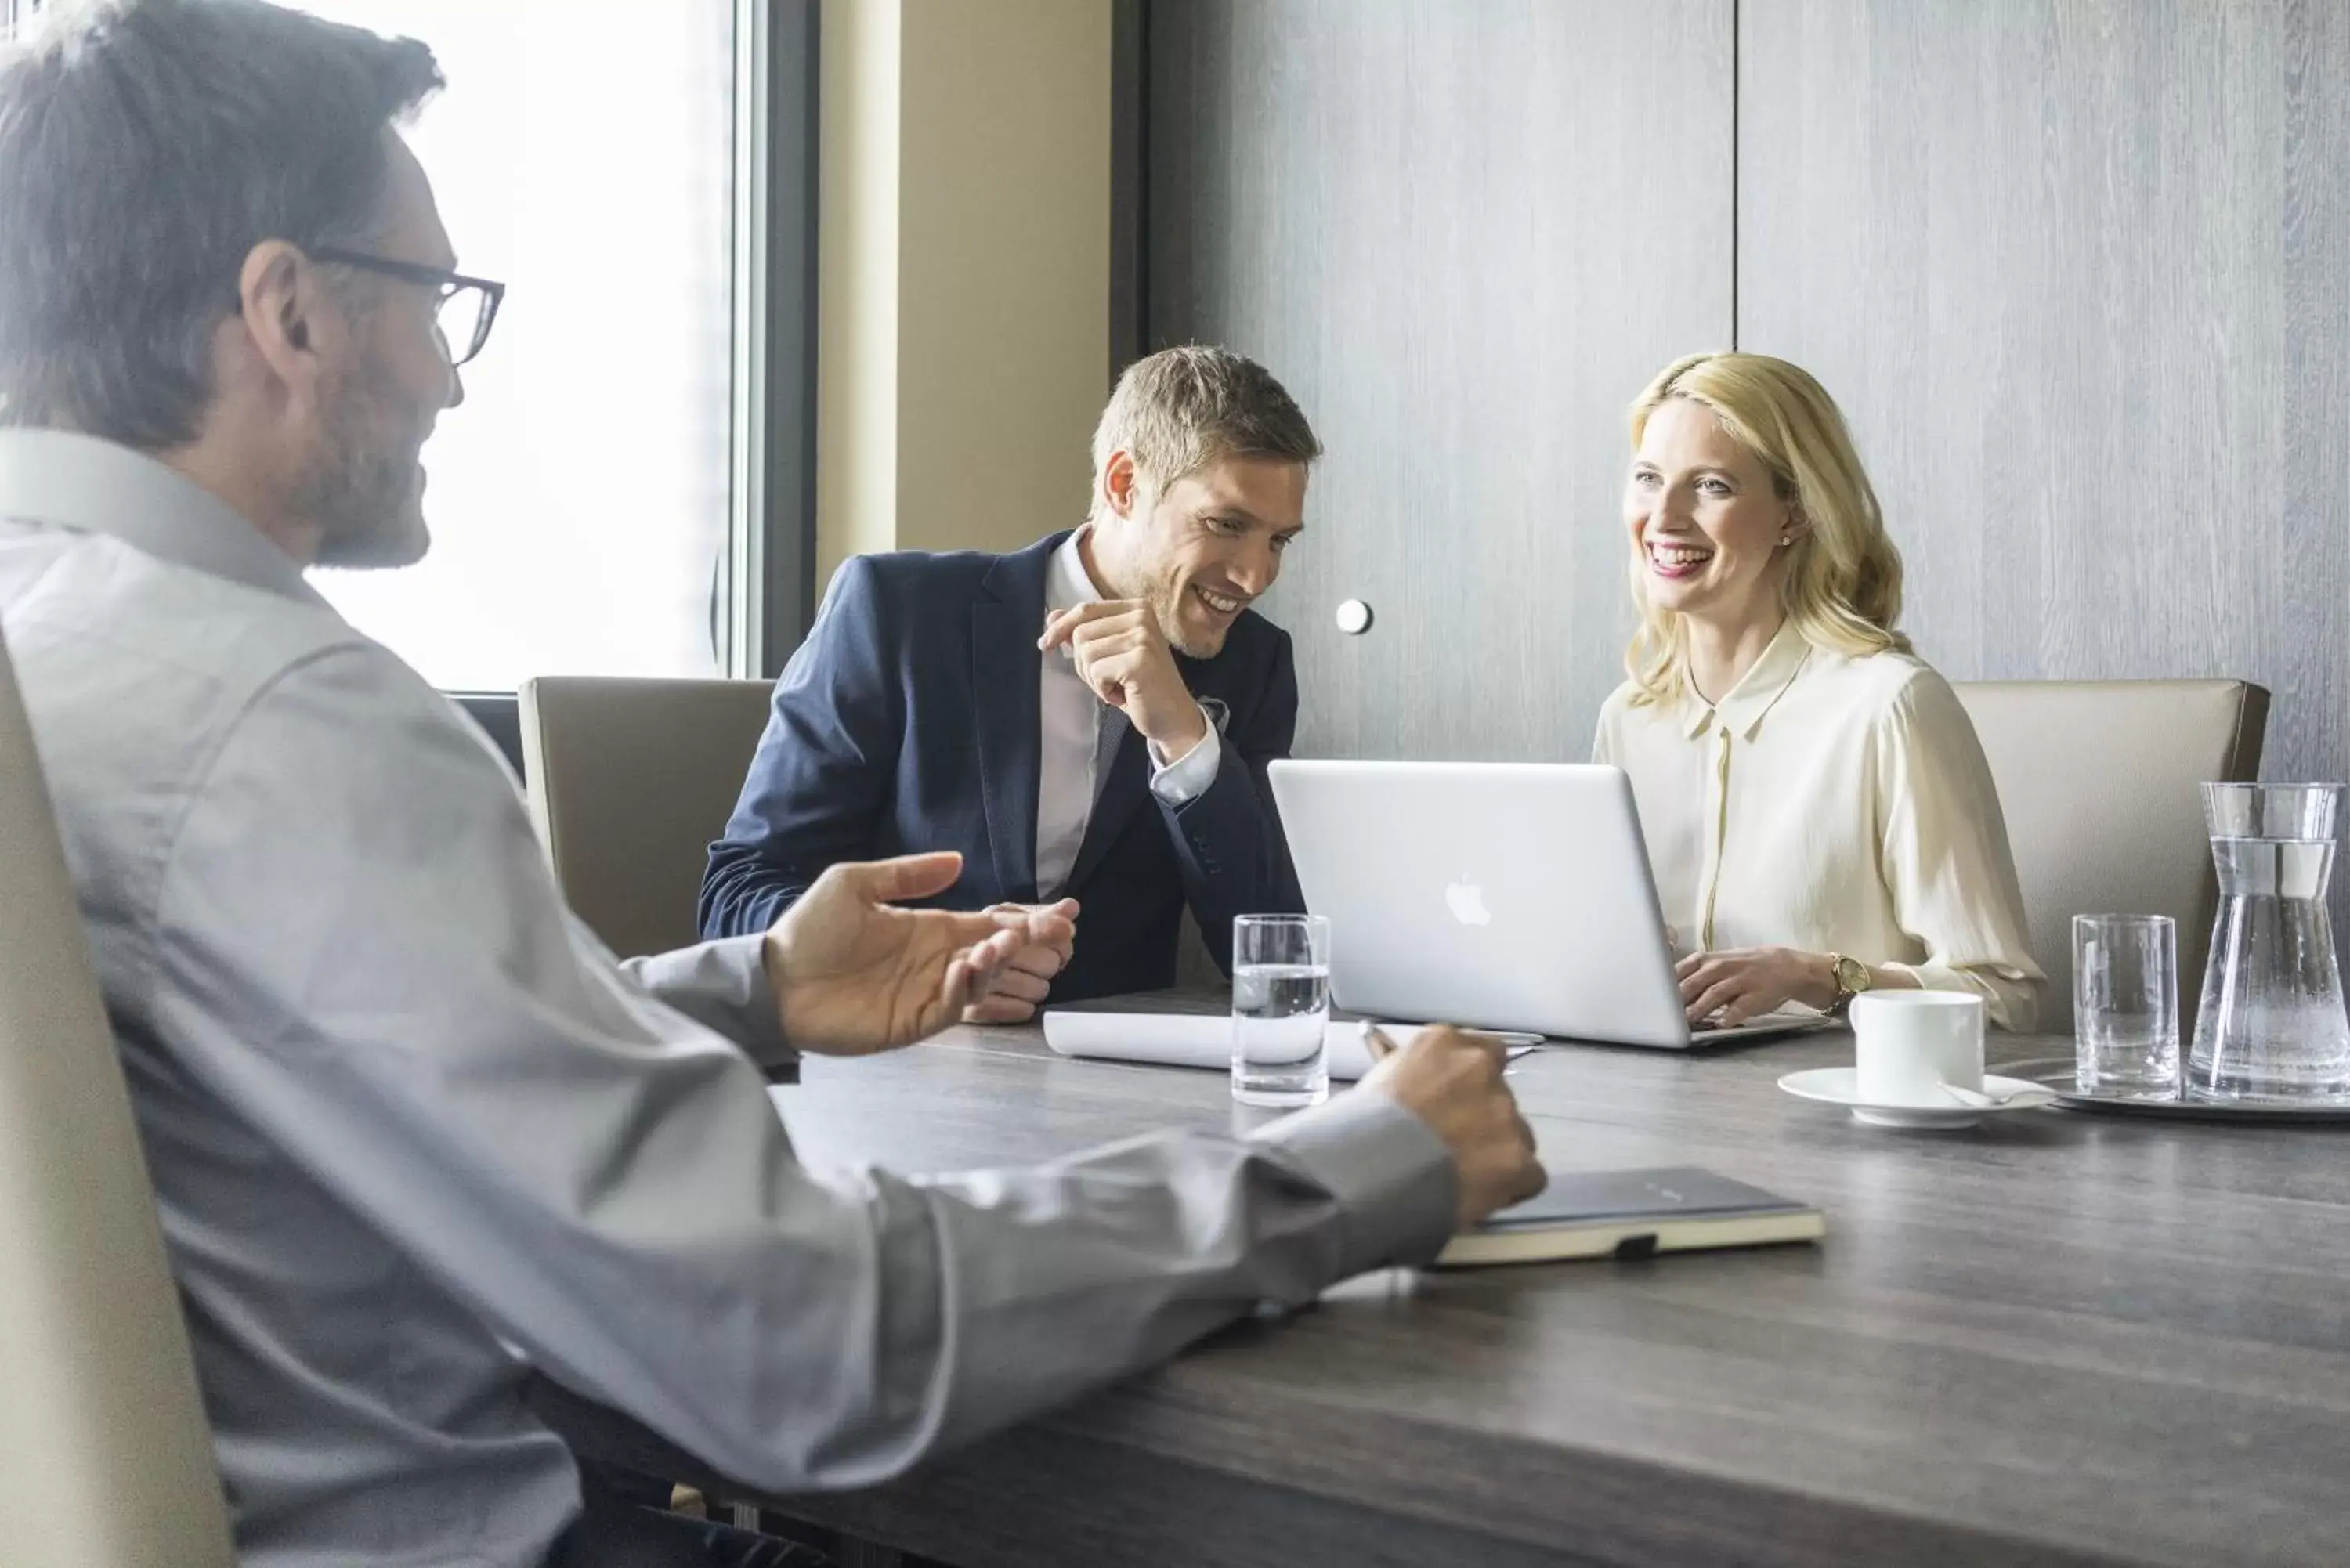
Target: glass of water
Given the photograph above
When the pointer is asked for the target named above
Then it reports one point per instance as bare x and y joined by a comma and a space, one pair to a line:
2125, 1005
1280, 1006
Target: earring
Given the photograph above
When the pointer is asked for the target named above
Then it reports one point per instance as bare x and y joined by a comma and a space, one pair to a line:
1785, 539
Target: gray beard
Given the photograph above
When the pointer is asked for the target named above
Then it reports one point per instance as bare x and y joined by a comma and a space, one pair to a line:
359, 495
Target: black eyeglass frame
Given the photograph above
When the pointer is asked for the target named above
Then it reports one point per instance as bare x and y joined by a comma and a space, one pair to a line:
450, 283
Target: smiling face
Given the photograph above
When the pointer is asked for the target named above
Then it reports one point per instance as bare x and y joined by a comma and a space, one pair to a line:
1202, 550
1707, 520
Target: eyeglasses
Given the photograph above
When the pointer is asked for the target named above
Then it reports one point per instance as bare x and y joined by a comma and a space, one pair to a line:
467, 308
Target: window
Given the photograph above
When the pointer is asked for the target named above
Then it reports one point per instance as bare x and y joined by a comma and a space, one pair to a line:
583, 154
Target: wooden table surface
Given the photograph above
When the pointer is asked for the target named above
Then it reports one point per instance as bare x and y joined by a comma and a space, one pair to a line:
2055, 1338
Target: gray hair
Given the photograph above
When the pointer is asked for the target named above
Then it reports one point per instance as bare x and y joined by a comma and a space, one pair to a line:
146, 147
1181, 408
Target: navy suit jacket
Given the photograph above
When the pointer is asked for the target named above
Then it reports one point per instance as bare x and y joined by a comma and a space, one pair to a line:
909, 721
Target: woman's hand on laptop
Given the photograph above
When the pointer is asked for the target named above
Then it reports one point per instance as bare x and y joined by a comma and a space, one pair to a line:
1724, 989
1451, 1080
853, 973
1013, 993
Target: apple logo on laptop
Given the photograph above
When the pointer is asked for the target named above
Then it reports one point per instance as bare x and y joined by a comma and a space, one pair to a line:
1466, 902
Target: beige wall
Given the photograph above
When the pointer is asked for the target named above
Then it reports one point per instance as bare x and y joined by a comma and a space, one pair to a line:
856, 281
962, 340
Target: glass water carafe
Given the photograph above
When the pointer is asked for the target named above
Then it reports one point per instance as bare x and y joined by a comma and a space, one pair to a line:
2273, 1025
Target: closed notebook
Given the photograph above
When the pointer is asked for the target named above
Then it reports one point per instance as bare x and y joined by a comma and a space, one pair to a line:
1633, 1214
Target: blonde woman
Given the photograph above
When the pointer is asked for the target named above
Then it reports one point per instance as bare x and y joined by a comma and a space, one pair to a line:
1818, 811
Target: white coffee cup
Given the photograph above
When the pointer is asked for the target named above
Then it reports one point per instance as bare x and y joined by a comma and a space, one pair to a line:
1907, 1043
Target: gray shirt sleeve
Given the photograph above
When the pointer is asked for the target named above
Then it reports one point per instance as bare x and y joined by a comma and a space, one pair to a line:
358, 942
720, 985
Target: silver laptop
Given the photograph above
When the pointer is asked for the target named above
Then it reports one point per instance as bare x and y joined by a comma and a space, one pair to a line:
1512, 896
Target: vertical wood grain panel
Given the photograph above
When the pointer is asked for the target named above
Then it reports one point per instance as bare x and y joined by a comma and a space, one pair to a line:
2079, 271
1464, 236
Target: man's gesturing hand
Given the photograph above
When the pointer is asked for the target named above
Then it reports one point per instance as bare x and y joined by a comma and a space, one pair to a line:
852, 974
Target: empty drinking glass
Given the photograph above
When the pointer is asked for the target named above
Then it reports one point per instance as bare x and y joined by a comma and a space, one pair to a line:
2126, 1005
2273, 1024
1280, 1006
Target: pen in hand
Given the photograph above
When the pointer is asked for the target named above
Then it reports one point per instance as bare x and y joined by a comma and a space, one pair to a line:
1378, 1045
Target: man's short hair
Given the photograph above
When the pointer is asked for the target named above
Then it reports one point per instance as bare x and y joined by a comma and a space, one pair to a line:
146, 147
1181, 408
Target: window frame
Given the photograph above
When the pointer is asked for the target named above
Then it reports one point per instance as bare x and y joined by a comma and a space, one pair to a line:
769, 594
767, 588
764, 596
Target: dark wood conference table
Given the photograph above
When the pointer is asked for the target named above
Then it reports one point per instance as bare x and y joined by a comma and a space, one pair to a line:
2050, 1339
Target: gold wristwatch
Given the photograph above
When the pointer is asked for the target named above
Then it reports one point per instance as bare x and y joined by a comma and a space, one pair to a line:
1852, 978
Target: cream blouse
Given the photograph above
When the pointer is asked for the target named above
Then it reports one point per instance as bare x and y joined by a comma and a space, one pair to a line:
1831, 805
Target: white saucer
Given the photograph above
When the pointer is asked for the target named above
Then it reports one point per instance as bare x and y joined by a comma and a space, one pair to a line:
1834, 1086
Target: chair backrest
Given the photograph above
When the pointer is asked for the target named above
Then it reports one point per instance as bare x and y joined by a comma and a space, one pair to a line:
629, 781
105, 1457
2097, 780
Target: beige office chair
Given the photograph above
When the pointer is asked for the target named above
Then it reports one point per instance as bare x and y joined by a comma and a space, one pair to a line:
2097, 780
628, 781
105, 1458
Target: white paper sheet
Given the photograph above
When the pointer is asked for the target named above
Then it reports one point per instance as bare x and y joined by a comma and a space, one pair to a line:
1188, 1039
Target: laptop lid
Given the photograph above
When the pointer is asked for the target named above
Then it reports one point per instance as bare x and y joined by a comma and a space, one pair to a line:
1494, 894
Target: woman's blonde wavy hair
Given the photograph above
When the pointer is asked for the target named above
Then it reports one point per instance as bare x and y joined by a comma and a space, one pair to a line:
1843, 586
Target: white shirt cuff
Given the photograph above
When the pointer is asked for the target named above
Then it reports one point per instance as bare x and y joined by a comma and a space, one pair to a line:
1187, 776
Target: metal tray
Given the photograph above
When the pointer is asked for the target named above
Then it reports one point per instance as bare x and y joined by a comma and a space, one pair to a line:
2056, 1071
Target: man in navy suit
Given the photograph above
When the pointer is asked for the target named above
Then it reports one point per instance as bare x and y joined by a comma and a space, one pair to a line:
1087, 719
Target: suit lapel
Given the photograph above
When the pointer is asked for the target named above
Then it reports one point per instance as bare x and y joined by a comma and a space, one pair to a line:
1121, 779
1110, 730
1005, 621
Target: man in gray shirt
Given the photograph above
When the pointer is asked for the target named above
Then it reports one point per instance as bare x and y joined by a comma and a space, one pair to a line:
414, 1133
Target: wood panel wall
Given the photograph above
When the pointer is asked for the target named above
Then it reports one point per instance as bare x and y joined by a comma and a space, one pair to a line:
2077, 270
2079, 273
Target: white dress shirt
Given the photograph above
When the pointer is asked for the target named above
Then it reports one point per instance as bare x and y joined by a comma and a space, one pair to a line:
1071, 719
1831, 805
415, 1133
